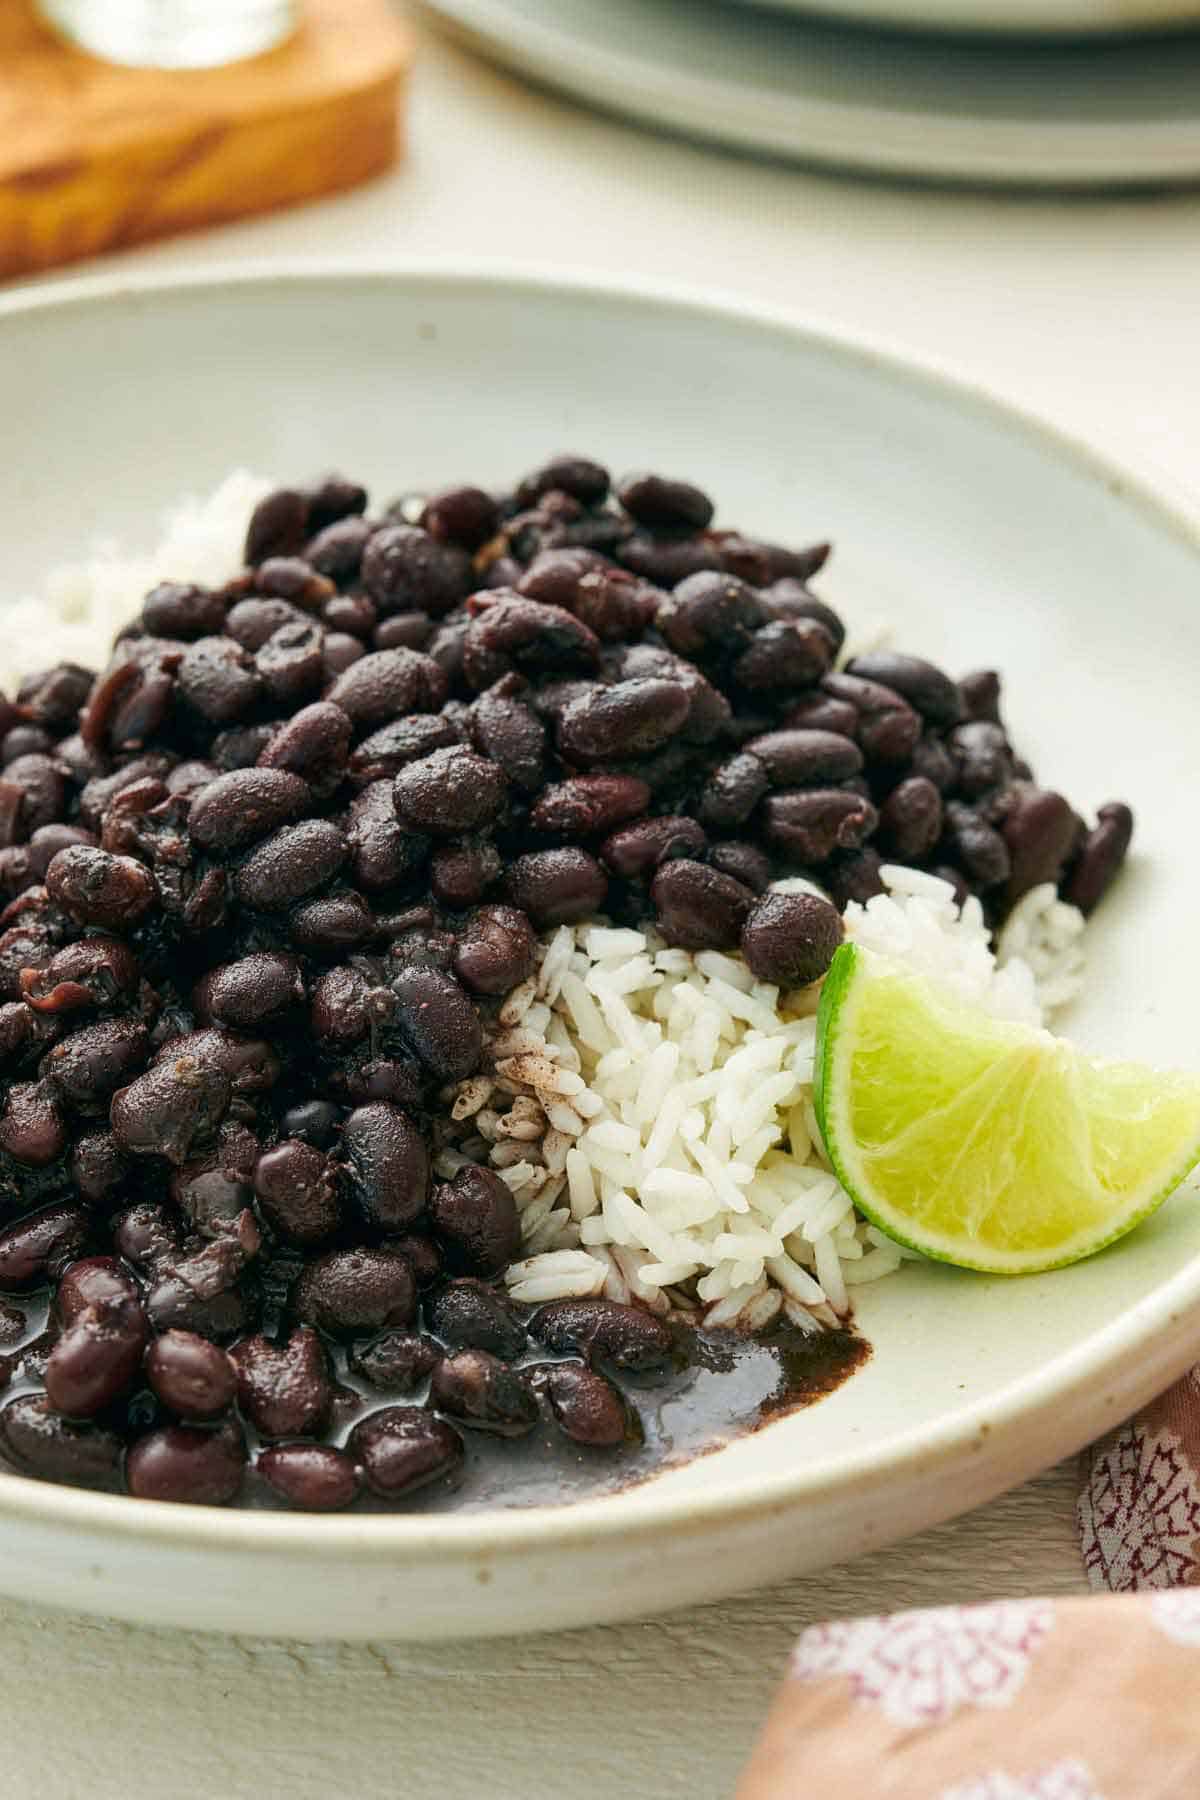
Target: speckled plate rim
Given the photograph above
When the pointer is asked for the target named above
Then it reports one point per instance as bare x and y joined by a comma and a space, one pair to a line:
1049, 1414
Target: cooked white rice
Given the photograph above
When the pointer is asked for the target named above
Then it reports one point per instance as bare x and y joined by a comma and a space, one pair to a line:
650, 1110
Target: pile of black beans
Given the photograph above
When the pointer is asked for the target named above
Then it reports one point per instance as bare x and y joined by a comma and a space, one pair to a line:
263, 878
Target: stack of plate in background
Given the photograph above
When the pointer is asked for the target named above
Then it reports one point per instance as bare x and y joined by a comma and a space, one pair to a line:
1066, 93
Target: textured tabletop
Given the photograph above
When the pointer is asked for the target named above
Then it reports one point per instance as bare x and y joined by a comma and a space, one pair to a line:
1083, 311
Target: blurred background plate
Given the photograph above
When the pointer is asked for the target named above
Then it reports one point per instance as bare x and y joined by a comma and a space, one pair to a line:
1108, 114
1009, 18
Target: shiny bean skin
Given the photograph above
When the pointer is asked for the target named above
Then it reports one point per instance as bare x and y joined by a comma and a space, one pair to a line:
239, 808
292, 862
628, 1337
33, 1130
587, 1408
698, 907
460, 515
405, 569
924, 686
92, 1281
468, 1315
96, 1357
387, 1164
438, 1021
710, 612
112, 892
312, 744
811, 823
191, 1376
805, 758
482, 1393
188, 1464
733, 791
310, 1477
474, 1217
785, 655
449, 791
249, 991
386, 683
347, 1292
589, 805
39, 1246
975, 847
39, 1442
910, 819
298, 1193
168, 1109
397, 1361
790, 939
284, 1390
1104, 850
627, 719
494, 953
637, 850
1040, 830
403, 1448
556, 887
664, 504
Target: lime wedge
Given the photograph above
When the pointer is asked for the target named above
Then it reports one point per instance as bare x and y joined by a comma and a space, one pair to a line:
985, 1143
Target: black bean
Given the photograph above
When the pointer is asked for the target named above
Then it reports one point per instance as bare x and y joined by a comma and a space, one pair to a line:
292, 862
113, 892
96, 1357
459, 875
910, 819
588, 805
297, 1190
249, 991
176, 609
293, 578
981, 695
636, 851
768, 565
291, 664
381, 686
313, 1121
612, 602
284, 1390
218, 680
698, 907
239, 748
43, 1444
584, 480
787, 654
92, 1063
745, 862
332, 923
507, 633
667, 561
310, 1477
588, 1408
710, 612
663, 504
278, 525
626, 1336
40, 1246
982, 757
438, 1022
405, 631
397, 1362
924, 686
193, 1378
423, 1256
186, 1463
888, 727
483, 1394
199, 1292
403, 1448
933, 760
239, 808
405, 569
249, 1064
1040, 831
213, 1191
449, 791
975, 847
805, 758
354, 613
146, 1235
461, 515
337, 550
494, 952
405, 740
32, 1130
173, 1106
346, 1292
25, 740
475, 1218
1104, 850
810, 824
383, 852
789, 598
45, 843
388, 1165
341, 652
54, 696
468, 1315
333, 497
95, 971
790, 939
252, 623
627, 719
505, 729
92, 1281
733, 791
556, 887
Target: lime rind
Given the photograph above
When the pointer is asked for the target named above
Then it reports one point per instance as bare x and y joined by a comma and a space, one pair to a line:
1098, 1113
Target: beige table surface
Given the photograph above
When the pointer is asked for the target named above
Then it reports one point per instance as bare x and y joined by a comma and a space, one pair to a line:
1084, 311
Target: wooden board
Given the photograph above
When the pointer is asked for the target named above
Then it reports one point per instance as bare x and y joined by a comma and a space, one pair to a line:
94, 157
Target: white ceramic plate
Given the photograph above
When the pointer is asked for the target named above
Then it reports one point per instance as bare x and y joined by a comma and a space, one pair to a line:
989, 540
1003, 18
1063, 115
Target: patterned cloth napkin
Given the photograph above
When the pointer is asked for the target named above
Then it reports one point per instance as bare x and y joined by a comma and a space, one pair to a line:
1091, 1699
